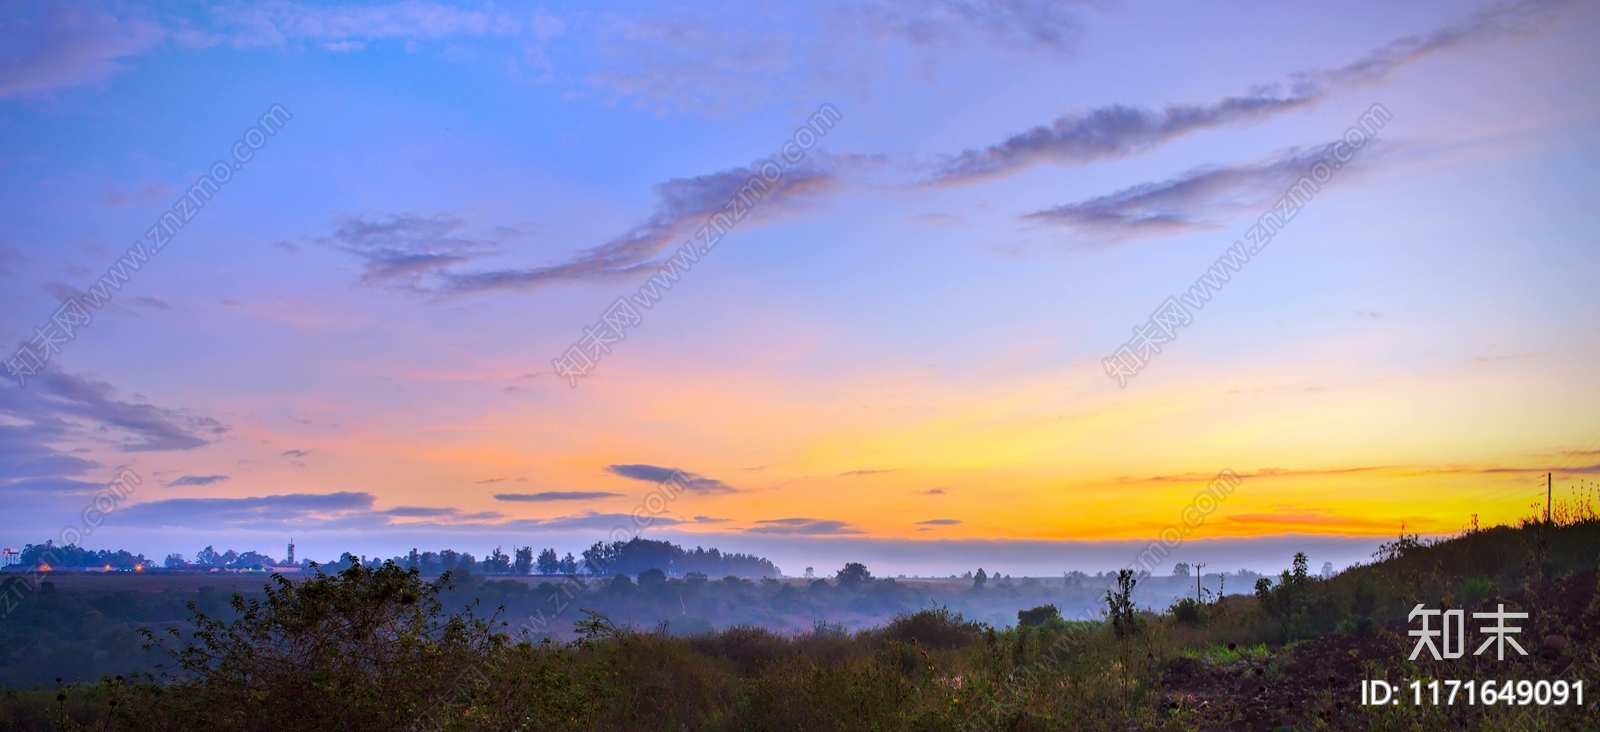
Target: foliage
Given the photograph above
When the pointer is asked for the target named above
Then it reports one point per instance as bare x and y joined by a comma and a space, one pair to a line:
364, 649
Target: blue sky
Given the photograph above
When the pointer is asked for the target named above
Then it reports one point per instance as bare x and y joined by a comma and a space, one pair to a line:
898, 354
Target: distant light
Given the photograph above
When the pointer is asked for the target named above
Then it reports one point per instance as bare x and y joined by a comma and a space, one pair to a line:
44, 568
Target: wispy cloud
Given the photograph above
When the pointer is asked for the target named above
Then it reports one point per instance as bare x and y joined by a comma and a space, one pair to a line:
190, 480
1045, 24
344, 28
408, 250
1195, 200
657, 474
683, 205
294, 453
865, 472
549, 496
440, 513
56, 45
1119, 130
803, 527
130, 427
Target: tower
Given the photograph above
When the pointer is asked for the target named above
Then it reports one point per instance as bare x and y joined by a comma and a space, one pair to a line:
290, 560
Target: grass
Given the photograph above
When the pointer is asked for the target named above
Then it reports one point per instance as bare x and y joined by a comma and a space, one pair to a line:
372, 649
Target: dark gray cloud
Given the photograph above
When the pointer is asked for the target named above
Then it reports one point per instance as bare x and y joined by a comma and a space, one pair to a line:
1194, 200
420, 512
555, 496
1118, 130
440, 513
294, 453
274, 512
803, 527
683, 206
657, 474
197, 480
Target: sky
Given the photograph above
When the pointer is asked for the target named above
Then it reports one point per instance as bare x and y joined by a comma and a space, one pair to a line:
365, 264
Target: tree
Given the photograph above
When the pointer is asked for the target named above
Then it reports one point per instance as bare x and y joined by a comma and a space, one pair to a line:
979, 578
548, 562
569, 565
1120, 608
524, 559
1181, 569
207, 557
853, 574
367, 648
175, 561
1038, 616
498, 562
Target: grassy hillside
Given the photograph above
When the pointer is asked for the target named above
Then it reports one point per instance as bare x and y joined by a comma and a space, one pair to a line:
373, 648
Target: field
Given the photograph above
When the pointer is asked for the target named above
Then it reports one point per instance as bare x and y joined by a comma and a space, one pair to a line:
377, 648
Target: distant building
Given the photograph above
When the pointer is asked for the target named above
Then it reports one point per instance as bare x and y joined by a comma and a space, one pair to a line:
11, 557
290, 559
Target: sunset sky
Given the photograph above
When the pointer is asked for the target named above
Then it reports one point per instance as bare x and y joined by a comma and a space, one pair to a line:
896, 357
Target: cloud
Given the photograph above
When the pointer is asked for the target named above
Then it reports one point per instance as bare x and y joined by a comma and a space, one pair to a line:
866, 472
274, 512
1193, 200
939, 522
1316, 520
683, 206
351, 27
54, 395
56, 45
197, 480
555, 496
488, 480
589, 520
434, 512
294, 453
1119, 130
933, 492
154, 303
710, 520
723, 58
157, 192
10, 256
1009, 24
657, 474
803, 526
406, 250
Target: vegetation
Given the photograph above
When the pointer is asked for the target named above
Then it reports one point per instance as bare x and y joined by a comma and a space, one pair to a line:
379, 648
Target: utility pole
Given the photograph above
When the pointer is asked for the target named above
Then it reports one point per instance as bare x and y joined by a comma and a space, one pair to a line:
1548, 490
1197, 576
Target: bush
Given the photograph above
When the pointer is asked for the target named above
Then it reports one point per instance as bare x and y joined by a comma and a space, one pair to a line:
936, 627
364, 649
